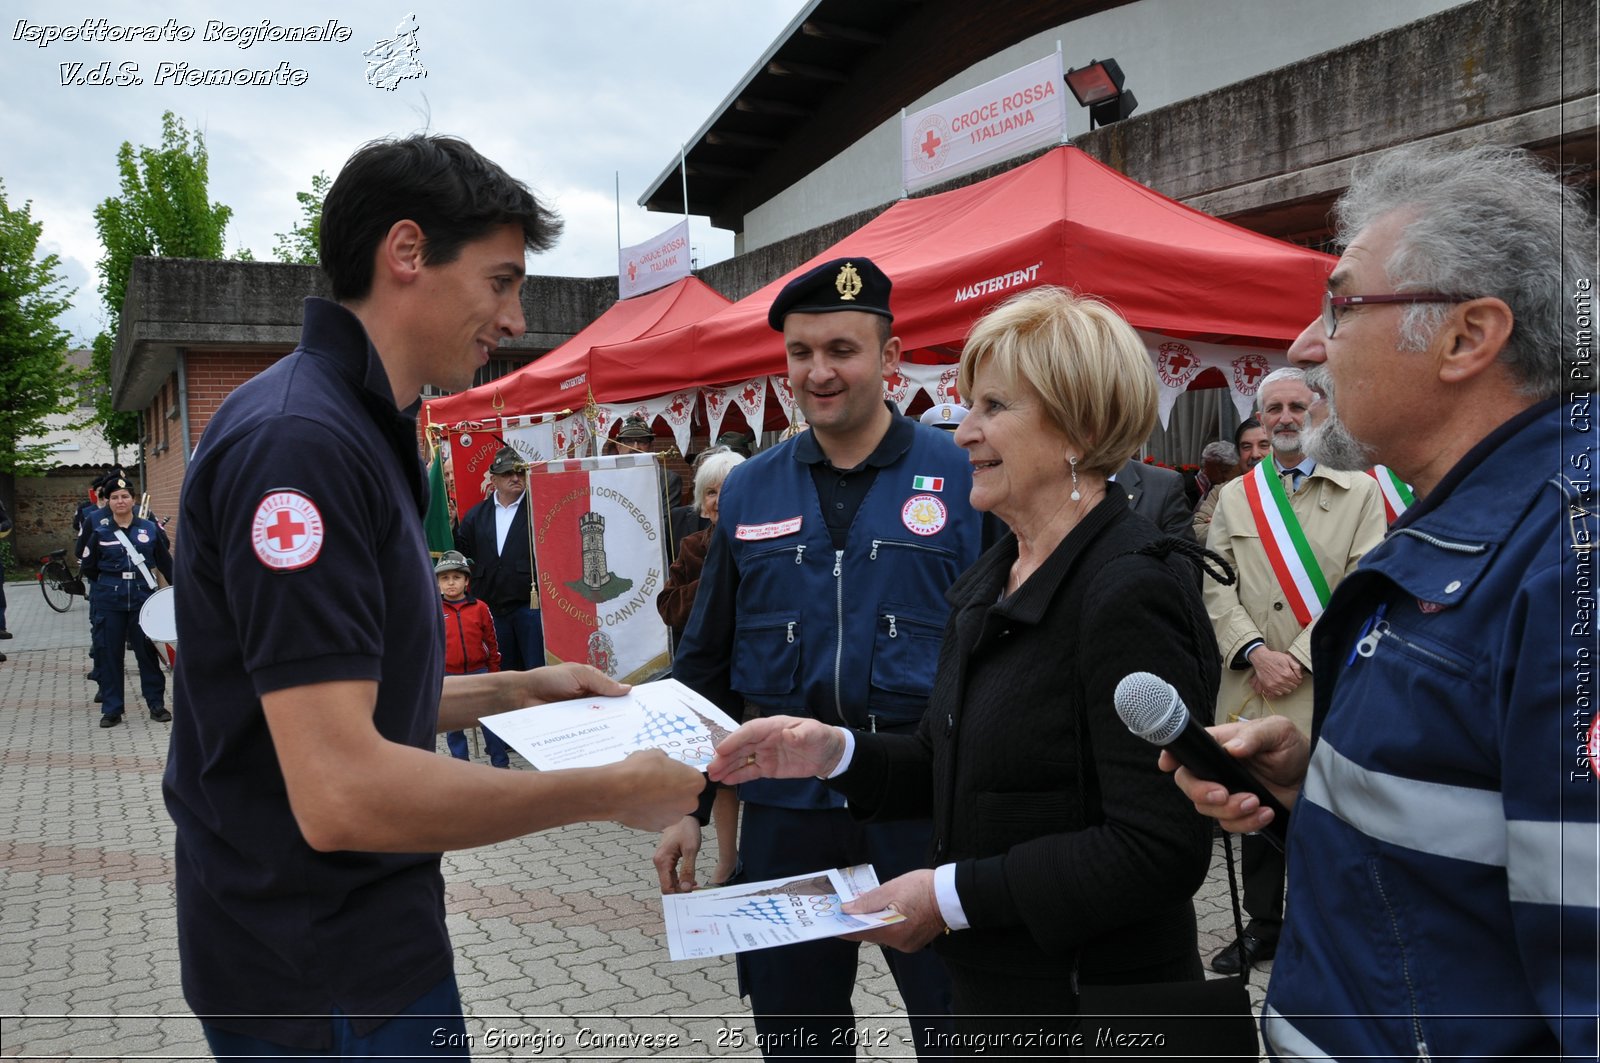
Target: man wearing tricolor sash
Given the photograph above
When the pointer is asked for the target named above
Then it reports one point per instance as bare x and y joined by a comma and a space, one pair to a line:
1397, 497
1291, 528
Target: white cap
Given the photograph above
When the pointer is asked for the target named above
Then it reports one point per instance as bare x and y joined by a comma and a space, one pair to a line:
945, 415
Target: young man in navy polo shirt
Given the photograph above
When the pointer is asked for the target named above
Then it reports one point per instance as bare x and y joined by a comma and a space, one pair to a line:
310, 808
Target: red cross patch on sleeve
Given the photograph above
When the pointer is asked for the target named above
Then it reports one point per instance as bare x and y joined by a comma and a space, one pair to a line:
286, 531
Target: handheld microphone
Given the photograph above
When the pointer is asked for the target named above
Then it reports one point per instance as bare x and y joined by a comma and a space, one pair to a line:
1152, 709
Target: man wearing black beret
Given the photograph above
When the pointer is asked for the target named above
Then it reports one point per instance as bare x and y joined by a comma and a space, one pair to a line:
823, 596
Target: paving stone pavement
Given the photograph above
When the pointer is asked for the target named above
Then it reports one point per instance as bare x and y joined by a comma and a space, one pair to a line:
555, 934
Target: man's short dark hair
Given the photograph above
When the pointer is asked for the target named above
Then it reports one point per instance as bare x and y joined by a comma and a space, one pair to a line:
454, 194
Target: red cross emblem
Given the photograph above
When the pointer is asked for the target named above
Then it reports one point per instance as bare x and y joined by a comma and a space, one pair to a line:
286, 532
1176, 364
932, 143
1248, 370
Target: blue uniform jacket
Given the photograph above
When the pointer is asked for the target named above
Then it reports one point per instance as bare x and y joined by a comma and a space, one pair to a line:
1442, 866
119, 584
850, 636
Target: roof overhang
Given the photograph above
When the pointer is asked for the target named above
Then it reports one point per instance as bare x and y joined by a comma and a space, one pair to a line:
838, 71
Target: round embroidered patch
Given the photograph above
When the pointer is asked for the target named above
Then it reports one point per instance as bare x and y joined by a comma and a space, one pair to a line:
286, 532
923, 514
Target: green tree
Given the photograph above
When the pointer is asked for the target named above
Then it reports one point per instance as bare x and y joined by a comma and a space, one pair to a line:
303, 243
35, 379
163, 210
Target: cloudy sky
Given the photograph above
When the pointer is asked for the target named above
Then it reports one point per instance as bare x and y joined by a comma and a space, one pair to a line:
565, 96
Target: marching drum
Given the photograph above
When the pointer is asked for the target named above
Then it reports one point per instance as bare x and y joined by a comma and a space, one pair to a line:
158, 619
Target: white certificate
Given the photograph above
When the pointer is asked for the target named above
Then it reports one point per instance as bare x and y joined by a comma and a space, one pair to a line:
759, 915
587, 732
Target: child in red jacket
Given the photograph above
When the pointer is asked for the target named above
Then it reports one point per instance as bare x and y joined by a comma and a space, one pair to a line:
469, 645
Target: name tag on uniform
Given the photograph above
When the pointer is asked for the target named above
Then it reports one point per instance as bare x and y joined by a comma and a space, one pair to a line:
771, 530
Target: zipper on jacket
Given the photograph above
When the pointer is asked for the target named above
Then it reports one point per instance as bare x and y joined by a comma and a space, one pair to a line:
1366, 632
799, 553
1381, 630
1405, 963
1444, 544
873, 555
892, 632
838, 630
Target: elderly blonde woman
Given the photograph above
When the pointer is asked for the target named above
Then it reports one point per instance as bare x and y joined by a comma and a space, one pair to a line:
1060, 858
675, 603
676, 600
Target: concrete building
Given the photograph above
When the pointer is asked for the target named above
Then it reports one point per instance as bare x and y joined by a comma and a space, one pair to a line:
1251, 110
806, 147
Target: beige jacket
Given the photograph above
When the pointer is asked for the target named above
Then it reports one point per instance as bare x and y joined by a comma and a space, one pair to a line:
1342, 514
1203, 511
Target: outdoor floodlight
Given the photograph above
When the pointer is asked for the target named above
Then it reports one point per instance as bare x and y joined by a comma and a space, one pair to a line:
1098, 86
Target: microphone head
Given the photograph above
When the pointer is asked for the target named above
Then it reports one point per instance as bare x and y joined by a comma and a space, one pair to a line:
1150, 707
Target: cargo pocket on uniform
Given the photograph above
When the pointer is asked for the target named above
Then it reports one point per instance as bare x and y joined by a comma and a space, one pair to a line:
905, 651
766, 654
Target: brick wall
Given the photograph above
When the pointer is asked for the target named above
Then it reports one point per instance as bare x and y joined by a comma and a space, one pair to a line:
211, 376
45, 507
165, 457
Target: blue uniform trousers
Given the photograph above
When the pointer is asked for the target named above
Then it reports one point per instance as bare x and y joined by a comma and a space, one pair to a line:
94, 634
800, 994
117, 626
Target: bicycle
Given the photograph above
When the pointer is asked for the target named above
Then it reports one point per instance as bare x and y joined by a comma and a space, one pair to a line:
58, 582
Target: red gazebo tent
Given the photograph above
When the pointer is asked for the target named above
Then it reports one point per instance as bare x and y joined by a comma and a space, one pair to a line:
1064, 219
559, 379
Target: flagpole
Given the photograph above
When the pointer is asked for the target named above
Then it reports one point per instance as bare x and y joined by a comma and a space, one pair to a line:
617, 174
1062, 60
683, 174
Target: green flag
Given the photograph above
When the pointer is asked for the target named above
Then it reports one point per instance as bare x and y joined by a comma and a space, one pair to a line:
437, 526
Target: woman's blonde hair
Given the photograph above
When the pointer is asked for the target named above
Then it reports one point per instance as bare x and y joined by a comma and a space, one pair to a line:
1086, 363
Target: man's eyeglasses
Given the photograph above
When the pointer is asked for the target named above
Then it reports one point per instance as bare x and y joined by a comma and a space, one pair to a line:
1331, 302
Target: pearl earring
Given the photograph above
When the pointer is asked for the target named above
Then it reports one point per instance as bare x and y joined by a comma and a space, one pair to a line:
1072, 464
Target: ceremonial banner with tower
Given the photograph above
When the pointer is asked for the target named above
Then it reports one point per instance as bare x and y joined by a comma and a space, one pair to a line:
601, 542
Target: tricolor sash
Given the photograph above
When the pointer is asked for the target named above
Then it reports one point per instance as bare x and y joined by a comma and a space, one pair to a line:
1397, 497
1288, 550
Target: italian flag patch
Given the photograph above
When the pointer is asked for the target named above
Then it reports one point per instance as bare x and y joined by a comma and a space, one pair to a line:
927, 483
